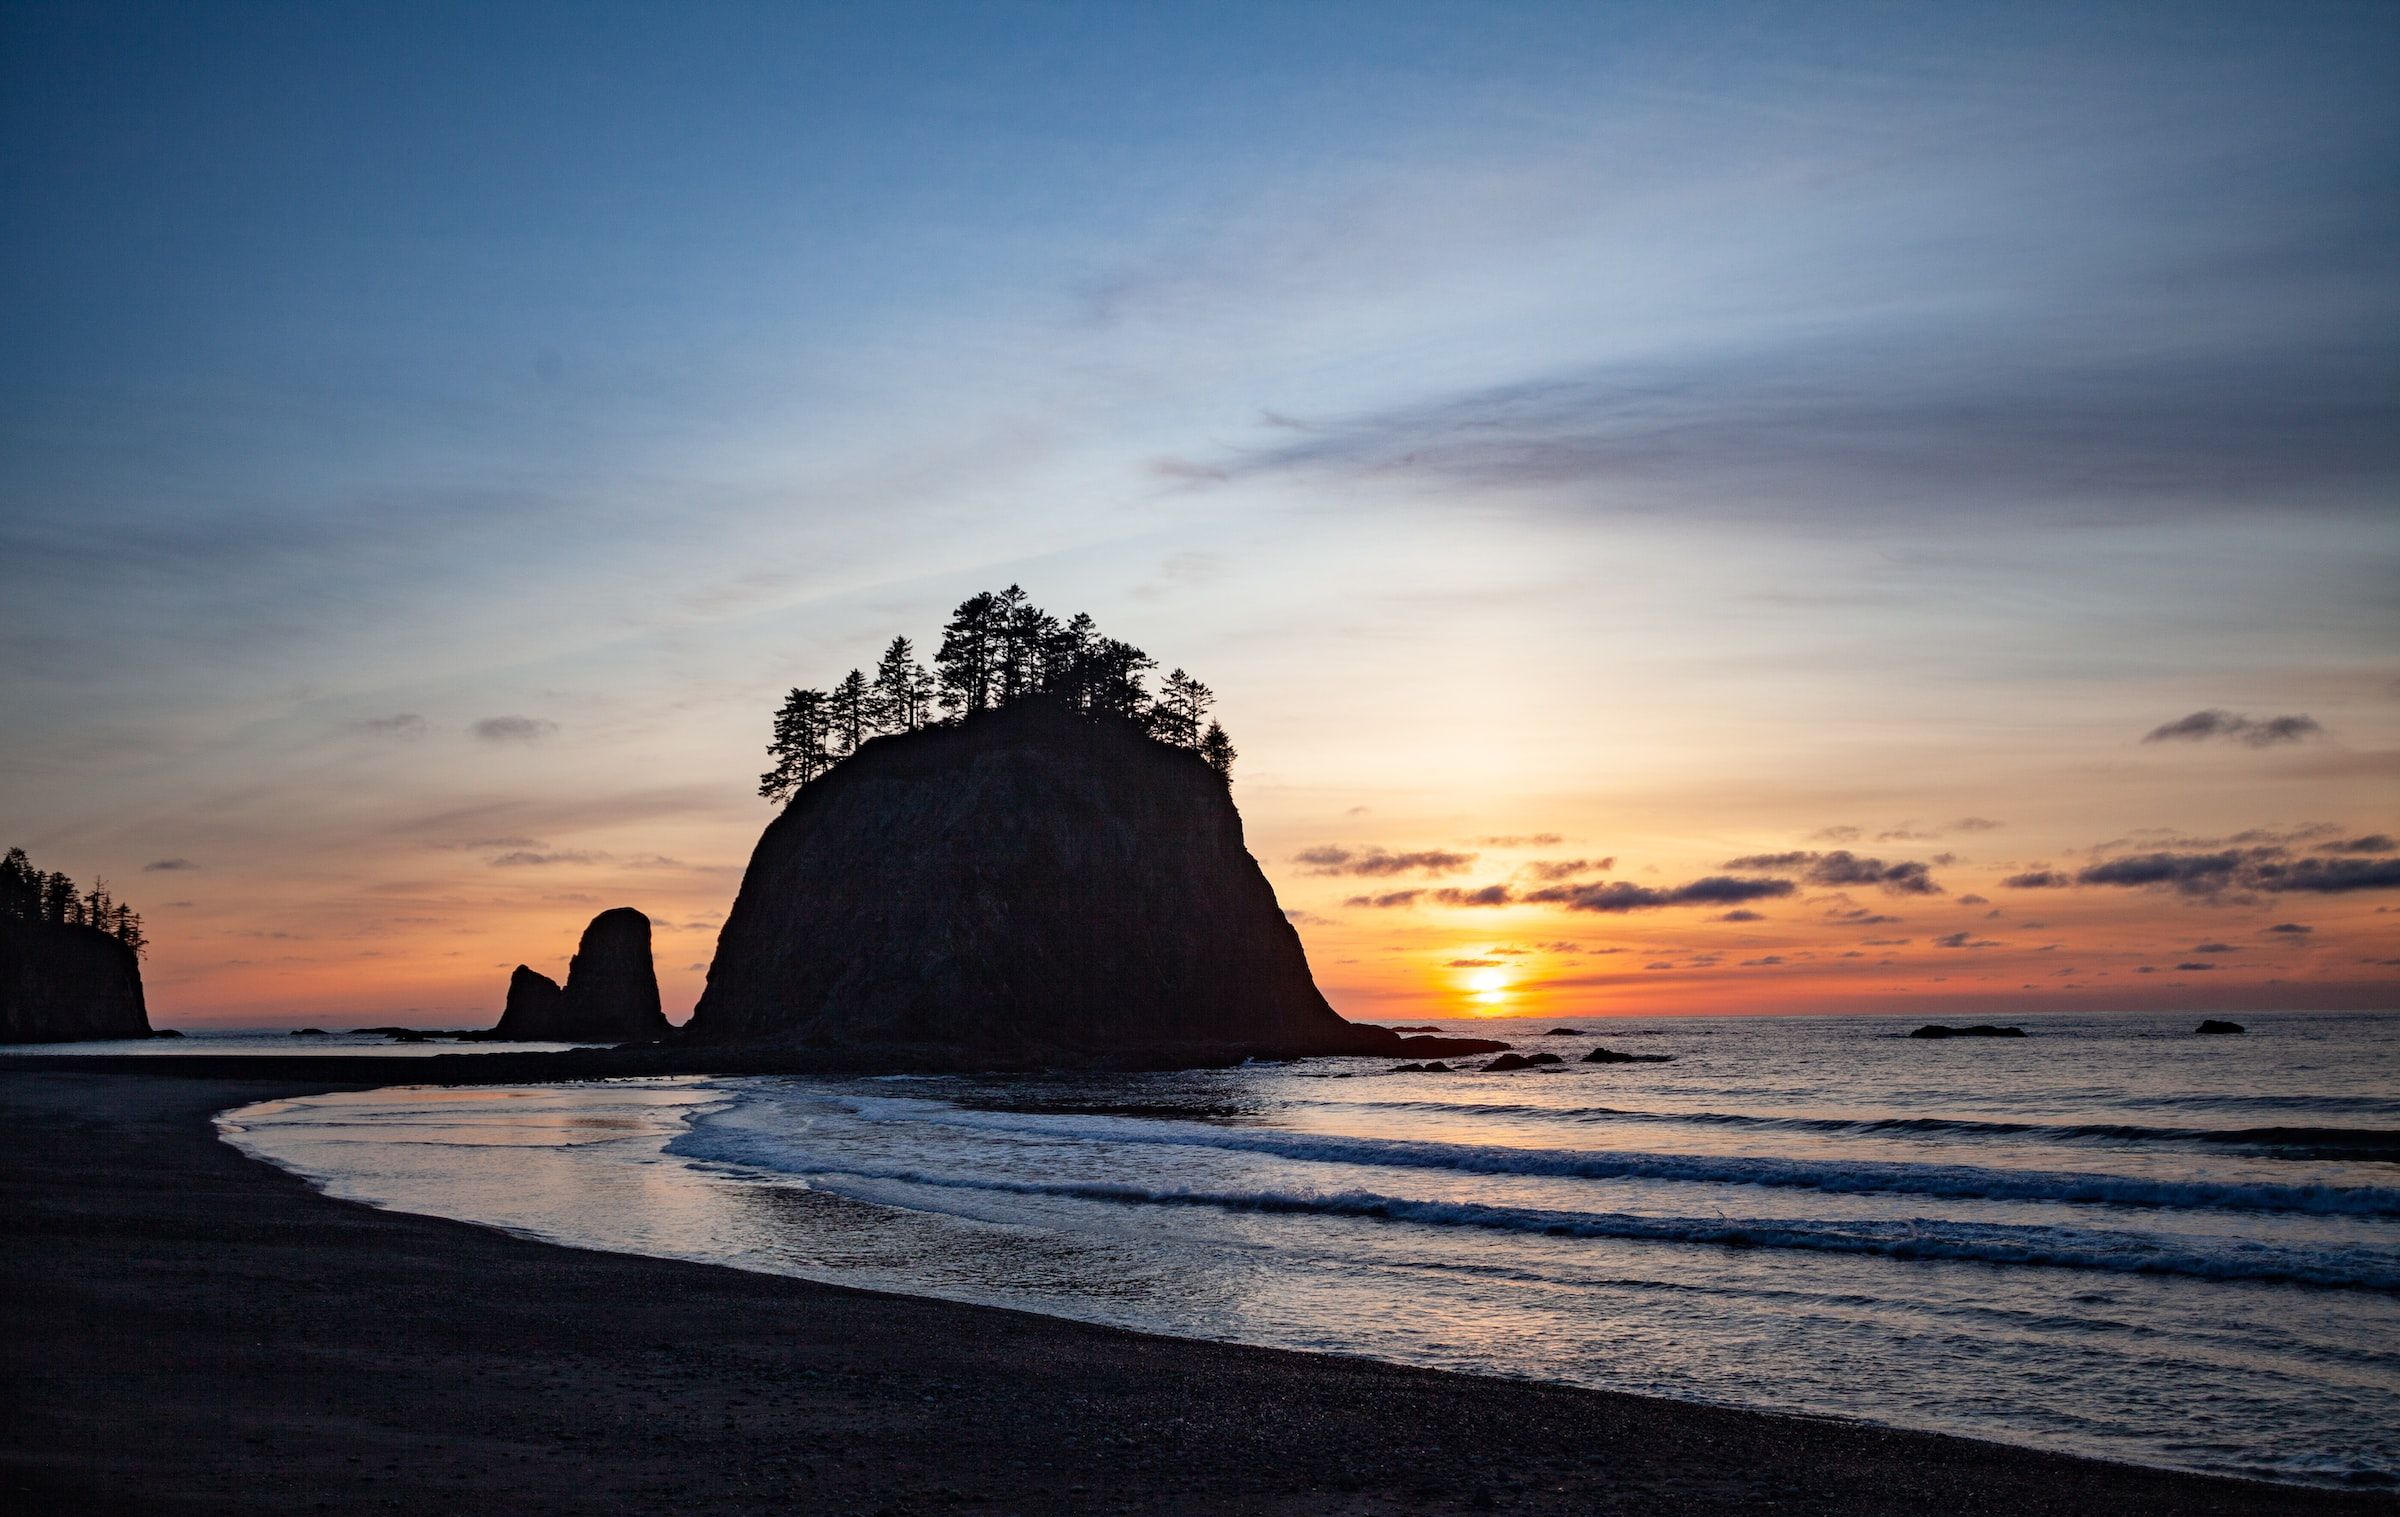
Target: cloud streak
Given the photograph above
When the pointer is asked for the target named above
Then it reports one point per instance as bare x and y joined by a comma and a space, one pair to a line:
2213, 725
514, 729
1376, 862
1842, 868
2264, 870
1623, 895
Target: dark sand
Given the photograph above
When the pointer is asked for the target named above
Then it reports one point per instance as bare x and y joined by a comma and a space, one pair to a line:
187, 1330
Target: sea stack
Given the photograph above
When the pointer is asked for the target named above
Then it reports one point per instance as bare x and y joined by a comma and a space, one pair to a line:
1030, 885
535, 1011
611, 994
61, 983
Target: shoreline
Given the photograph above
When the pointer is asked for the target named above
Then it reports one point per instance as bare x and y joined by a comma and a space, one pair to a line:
191, 1329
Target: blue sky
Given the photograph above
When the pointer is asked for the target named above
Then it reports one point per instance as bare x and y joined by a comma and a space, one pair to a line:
1679, 427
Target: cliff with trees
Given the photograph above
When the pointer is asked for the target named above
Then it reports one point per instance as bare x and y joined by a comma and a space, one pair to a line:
69, 959
997, 649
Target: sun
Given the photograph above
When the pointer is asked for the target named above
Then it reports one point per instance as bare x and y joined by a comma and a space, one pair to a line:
1489, 985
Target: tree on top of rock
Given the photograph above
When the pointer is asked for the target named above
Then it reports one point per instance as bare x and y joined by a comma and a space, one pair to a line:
29, 895
798, 748
1183, 704
970, 648
1217, 751
997, 648
850, 709
904, 690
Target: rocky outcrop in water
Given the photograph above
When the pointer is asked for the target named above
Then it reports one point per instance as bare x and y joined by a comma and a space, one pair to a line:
1611, 1056
65, 984
1979, 1030
611, 994
2214, 1028
535, 1007
1029, 885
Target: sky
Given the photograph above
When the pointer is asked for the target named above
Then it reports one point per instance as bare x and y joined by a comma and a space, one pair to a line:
1935, 464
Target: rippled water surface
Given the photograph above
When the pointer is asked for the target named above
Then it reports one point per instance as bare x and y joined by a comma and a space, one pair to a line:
2112, 1236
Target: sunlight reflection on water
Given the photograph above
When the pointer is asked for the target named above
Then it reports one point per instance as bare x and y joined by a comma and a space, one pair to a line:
1442, 1221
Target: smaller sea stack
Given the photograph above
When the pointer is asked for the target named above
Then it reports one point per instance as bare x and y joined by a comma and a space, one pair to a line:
611, 994
536, 1007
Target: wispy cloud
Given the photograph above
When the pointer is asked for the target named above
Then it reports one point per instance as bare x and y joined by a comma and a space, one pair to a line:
514, 729
1623, 895
1375, 862
1842, 868
2203, 726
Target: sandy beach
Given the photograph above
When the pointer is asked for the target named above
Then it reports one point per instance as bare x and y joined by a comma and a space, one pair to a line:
190, 1331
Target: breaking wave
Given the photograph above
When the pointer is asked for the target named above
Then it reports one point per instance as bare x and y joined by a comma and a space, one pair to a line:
1835, 1177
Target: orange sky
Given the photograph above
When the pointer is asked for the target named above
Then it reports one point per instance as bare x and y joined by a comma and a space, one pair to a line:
429, 454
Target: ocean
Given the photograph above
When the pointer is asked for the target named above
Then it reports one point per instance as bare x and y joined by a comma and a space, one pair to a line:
2111, 1237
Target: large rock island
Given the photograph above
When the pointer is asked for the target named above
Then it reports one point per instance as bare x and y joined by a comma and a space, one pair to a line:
63, 983
1030, 884
611, 994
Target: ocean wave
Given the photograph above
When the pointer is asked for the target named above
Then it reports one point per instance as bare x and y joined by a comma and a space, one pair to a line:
1984, 1243
2310, 1142
1836, 1177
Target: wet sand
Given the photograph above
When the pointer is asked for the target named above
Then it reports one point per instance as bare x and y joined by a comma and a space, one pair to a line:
187, 1330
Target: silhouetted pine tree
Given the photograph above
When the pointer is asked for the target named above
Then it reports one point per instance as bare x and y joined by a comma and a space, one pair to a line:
902, 691
969, 652
1025, 630
1218, 750
1116, 680
1183, 704
798, 746
852, 706
20, 887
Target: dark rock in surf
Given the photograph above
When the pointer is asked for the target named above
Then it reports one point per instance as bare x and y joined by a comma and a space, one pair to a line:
1564, 1032
1426, 1045
66, 984
310, 1032
1509, 1062
1611, 1056
1029, 886
1979, 1030
2214, 1028
534, 1002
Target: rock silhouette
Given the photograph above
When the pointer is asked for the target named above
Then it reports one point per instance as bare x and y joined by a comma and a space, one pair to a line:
1979, 1030
1514, 1061
611, 994
1611, 1056
61, 983
535, 1010
1029, 884
2215, 1028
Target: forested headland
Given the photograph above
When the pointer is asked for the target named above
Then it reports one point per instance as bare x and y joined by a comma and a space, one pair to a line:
997, 648
28, 894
